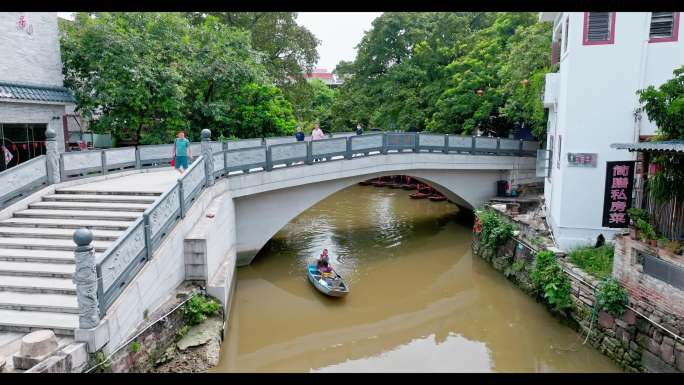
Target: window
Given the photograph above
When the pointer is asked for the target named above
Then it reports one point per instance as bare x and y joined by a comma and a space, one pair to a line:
566, 35
664, 27
599, 28
560, 144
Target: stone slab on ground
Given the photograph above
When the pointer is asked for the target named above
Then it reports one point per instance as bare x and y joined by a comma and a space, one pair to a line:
195, 359
35, 347
198, 335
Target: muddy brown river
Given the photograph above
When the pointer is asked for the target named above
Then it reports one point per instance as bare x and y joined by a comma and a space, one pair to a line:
419, 300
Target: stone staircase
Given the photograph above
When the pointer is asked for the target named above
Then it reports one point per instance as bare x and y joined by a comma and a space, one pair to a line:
37, 253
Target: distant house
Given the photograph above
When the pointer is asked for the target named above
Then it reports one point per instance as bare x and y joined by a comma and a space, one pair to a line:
329, 78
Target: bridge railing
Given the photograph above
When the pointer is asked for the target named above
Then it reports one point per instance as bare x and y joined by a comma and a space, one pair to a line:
22, 179
119, 264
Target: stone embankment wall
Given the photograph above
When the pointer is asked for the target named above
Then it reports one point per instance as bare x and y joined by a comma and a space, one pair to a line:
155, 345
633, 341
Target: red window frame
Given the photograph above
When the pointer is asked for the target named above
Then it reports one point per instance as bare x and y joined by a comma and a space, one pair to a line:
675, 32
585, 32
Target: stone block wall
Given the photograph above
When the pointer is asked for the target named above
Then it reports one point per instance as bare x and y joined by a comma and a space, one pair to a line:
633, 340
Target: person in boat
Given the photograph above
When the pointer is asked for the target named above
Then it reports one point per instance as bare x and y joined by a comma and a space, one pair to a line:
323, 263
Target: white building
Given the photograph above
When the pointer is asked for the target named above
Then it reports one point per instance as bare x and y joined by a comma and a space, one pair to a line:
605, 57
32, 96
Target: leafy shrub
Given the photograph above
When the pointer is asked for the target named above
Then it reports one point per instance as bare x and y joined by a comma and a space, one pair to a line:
518, 265
637, 213
495, 231
199, 307
611, 297
550, 281
597, 261
135, 346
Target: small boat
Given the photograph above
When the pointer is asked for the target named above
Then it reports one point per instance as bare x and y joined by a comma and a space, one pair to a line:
419, 195
409, 186
366, 183
437, 198
333, 285
379, 183
394, 185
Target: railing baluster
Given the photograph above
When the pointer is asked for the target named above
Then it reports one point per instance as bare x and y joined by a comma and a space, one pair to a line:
182, 200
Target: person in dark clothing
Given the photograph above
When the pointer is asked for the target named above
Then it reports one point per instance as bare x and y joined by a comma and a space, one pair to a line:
359, 129
299, 135
323, 264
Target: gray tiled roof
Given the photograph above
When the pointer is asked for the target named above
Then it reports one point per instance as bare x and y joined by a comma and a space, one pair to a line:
35, 93
668, 145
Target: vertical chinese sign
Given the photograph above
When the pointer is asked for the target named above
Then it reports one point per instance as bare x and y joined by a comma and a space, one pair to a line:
618, 195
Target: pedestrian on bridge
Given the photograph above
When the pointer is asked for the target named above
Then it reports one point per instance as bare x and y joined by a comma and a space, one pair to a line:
317, 133
299, 135
181, 152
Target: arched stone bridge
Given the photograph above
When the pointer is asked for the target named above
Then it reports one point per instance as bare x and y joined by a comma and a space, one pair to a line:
152, 229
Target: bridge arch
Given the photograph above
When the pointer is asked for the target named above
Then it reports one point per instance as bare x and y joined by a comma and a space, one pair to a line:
266, 202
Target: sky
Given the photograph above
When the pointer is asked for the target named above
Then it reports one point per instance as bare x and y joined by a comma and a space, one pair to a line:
339, 33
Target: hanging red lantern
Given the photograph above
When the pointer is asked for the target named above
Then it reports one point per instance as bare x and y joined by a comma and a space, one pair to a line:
35, 144
14, 147
24, 146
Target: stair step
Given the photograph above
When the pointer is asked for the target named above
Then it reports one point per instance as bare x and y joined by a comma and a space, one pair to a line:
39, 256
100, 198
57, 303
37, 285
72, 224
54, 233
70, 214
48, 244
89, 206
36, 269
29, 321
78, 191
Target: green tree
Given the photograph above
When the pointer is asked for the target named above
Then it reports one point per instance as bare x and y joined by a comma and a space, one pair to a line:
261, 111
523, 73
288, 47
399, 71
474, 91
665, 106
146, 75
126, 71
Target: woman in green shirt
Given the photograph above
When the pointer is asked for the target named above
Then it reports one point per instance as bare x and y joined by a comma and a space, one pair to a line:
182, 152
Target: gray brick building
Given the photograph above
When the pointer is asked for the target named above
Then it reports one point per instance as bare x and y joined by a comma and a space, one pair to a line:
32, 96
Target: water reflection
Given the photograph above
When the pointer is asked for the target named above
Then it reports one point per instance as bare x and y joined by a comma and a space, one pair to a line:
419, 301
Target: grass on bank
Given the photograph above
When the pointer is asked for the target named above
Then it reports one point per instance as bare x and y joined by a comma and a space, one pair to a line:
595, 261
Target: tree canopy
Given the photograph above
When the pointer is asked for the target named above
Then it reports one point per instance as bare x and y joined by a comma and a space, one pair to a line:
145, 75
447, 72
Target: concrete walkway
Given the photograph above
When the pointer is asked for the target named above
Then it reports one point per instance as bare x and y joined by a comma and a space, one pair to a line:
156, 181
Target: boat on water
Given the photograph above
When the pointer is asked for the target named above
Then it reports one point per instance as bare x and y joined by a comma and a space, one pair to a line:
330, 284
437, 198
394, 185
409, 187
366, 183
419, 195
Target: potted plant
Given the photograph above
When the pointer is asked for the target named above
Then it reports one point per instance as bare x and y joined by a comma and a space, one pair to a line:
636, 214
662, 241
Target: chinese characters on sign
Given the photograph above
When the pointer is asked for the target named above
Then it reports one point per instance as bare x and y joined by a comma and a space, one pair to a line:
581, 160
618, 195
23, 25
